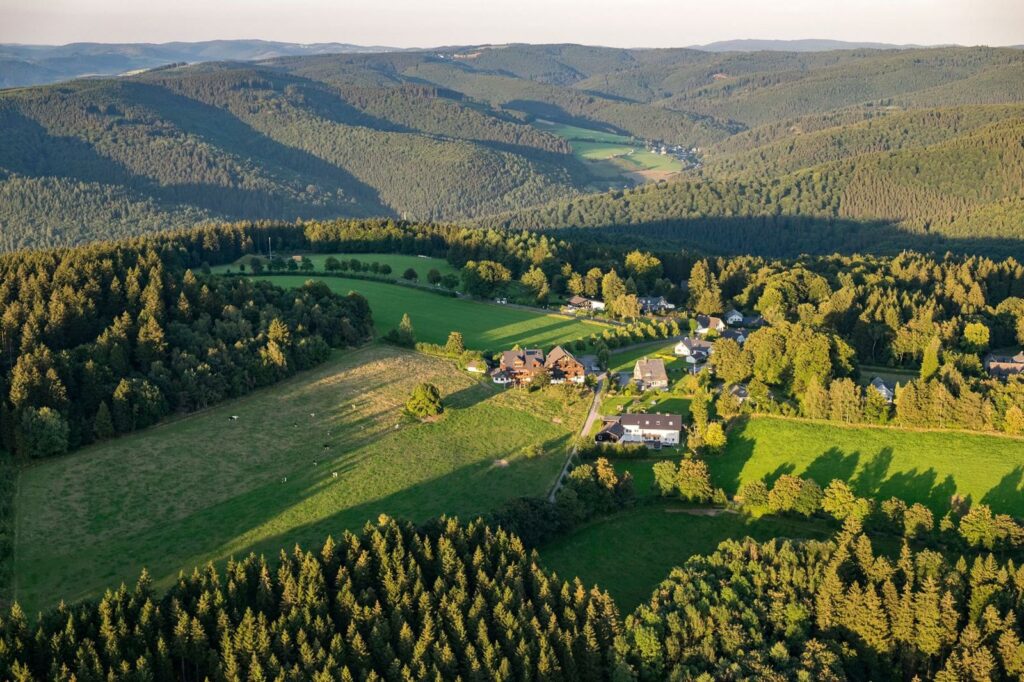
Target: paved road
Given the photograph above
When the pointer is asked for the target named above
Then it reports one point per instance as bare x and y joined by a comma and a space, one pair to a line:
591, 418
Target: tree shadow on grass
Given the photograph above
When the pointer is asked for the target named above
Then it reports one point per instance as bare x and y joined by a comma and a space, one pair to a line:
1006, 495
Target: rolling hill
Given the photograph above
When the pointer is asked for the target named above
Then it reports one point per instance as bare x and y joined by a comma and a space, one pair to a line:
920, 143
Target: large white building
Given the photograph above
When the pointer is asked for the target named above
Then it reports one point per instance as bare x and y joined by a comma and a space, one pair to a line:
646, 429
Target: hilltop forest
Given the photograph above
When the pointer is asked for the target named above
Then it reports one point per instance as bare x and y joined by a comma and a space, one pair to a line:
798, 151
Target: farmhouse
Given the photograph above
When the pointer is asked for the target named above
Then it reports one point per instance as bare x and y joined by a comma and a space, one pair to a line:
737, 335
648, 429
1004, 366
563, 367
519, 366
888, 391
656, 305
694, 349
579, 303
740, 392
707, 324
650, 374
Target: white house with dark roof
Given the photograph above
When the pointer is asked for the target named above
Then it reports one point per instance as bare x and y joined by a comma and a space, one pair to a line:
694, 349
733, 317
887, 390
646, 429
737, 335
654, 304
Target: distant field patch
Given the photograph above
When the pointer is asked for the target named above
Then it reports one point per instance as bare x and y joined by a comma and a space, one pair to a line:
205, 487
484, 326
917, 466
610, 155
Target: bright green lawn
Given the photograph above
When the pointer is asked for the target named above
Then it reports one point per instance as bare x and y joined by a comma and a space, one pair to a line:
917, 466
484, 326
630, 553
600, 151
624, 361
571, 133
205, 487
399, 263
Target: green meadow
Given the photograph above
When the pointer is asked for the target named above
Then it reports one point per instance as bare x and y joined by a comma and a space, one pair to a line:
317, 454
398, 262
917, 466
485, 326
630, 553
609, 154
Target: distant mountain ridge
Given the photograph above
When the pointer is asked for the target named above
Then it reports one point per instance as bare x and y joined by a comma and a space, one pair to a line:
800, 45
22, 65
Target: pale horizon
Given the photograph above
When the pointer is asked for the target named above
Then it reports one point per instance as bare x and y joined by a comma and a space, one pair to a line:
419, 24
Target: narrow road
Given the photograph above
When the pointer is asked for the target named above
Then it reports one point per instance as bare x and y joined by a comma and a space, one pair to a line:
591, 418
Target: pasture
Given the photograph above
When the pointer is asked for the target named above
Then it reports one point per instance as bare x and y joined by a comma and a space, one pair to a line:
631, 552
398, 262
610, 155
917, 466
314, 455
484, 326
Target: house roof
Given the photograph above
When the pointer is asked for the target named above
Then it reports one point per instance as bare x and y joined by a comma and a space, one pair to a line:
614, 428
651, 370
695, 344
1003, 358
578, 300
740, 391
709, 322
734, 334
558, 353
879, 382
657, 422
732, 312
530, 357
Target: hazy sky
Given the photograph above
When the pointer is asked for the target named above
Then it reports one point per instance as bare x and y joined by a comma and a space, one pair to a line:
427, 23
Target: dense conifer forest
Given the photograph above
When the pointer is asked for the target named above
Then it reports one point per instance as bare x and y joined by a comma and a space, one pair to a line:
853, 150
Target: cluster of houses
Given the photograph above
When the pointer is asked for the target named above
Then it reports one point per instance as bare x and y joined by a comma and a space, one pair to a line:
733, 325
519, 367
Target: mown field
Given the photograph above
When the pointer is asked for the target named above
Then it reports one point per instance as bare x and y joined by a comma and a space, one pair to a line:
398, 262
630, 553
917, 466
608, 154
205, 487
484, 326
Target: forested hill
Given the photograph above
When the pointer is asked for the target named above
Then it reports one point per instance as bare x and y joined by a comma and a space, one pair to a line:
453, 134
932, 179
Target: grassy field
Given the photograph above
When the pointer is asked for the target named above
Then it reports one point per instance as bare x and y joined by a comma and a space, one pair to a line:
610, 155
625, 360
917, 466
630, 553
205, 487
483, 325
399, 263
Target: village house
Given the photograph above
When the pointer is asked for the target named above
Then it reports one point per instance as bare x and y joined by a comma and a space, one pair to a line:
654, 305
652, 430
888, 391
563, 367
737, 335
707, 324
579, 303
740, 392
519, 367
650, 374
694, 349
1003, 366
733, 317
